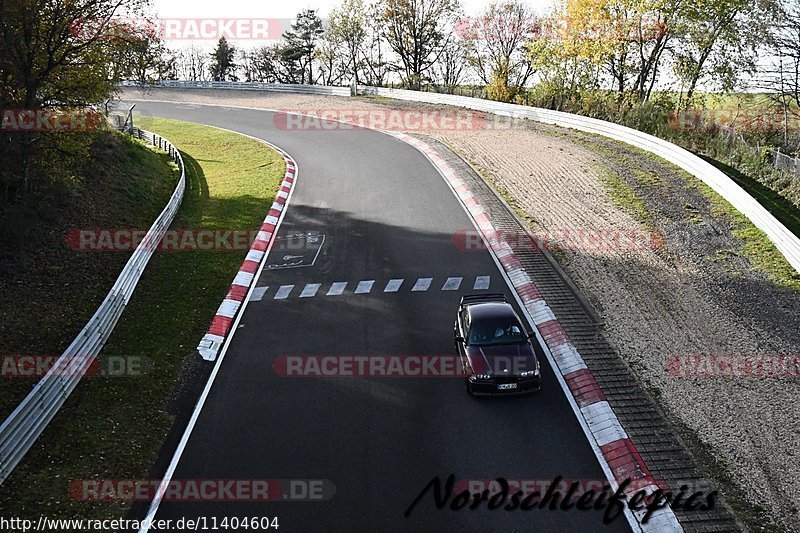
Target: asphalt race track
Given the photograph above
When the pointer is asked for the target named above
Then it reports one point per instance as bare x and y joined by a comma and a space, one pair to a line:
385, 214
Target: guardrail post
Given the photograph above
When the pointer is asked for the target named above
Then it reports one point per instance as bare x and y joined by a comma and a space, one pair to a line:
129, 118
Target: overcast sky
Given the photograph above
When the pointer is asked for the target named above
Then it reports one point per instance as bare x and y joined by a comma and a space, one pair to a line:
279, 9
282, 8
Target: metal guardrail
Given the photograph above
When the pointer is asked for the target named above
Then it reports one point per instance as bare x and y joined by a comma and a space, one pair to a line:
786, 242
21, 429
245, 86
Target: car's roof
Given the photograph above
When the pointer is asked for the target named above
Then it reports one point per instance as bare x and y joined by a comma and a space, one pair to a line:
478, 311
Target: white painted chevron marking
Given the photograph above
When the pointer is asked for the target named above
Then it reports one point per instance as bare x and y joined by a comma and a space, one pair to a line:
337, 288
258, 293
393, 285
422, 284
481, 283
283, 292
310, 290
452, 284
364, 287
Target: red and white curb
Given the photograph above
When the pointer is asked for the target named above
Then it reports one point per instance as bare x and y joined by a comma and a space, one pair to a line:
615, 451
212, 341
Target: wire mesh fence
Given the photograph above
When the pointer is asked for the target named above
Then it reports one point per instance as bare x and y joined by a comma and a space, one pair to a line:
787, 163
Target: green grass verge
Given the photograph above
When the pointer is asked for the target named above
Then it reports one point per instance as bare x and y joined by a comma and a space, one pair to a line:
48, 291
762, 255
780, 207
112, 428
756, 247
623, 195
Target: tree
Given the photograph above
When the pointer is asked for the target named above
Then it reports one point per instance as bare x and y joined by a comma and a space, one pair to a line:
290, 66
263, 60
53, 54
144, 58
192, 63
301, 42
331, 61
270, 64
655, 27
348, 30
374, 61
245, 62
418, 31
498, 48
780, 77
719, 40
449, 71
223, 66
600, 30
564, 73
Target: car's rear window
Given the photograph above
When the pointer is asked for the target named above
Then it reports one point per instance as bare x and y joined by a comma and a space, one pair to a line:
495, 331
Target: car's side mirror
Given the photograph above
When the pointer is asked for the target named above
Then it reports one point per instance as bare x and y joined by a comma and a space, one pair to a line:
459, 338
532, 335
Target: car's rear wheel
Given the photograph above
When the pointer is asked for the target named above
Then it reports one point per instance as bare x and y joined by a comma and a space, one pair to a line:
468, 386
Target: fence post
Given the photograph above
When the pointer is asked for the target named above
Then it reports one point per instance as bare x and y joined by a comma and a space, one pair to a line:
129, 118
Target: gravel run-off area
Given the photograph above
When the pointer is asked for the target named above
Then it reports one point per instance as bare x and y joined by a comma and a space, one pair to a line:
688, 294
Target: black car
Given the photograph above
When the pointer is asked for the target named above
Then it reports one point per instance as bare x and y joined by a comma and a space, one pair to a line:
498, 355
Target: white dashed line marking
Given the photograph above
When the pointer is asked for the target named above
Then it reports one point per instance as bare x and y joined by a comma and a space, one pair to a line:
393, 285
283, 292
481, 283
258, 293
310, 290
452, 284
422, 284
364, 286
337, 288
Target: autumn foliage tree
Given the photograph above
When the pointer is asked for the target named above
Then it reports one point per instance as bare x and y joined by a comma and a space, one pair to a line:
418, 31
55, 54
498, 40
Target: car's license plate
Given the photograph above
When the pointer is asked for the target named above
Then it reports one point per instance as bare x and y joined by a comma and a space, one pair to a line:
504, 386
